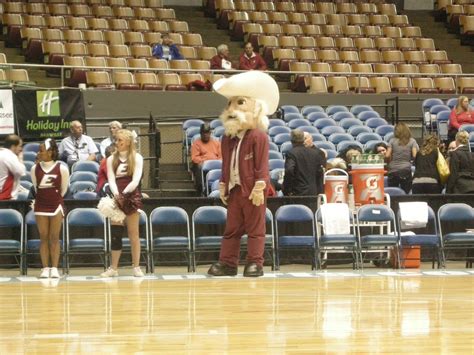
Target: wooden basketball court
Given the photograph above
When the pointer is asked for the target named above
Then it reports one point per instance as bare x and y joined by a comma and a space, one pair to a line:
386, 311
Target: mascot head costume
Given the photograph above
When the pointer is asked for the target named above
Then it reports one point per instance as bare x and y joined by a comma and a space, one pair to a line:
252, 96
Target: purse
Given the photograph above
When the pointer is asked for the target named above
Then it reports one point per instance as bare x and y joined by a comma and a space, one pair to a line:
108, 208
443, 168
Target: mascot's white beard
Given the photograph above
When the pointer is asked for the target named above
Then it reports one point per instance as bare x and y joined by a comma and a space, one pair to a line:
236, 121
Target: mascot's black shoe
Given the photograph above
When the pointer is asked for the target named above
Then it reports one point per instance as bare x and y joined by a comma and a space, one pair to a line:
253, 270
220, 269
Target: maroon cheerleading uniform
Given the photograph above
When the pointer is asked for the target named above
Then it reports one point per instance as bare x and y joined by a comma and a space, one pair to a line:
48, 191
122, 179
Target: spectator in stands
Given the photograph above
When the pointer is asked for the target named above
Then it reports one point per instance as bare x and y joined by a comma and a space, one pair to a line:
426, 179
167, 49
221, 60
11, 167
380, 148
308, 143
461, 167
304, 168
77, 146
402, 149
349, 153
50, 179
114, 126
124, 172
249, 60
203, 149
461, 114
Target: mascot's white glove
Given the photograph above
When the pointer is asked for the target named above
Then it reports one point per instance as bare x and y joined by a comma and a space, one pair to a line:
222, 193
257, 196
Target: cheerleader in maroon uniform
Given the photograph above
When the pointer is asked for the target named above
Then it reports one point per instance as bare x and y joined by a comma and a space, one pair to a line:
124, 172
50, 179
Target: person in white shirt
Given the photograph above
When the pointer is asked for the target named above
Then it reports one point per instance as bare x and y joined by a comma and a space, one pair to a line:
114, 126
77, 146
11, 167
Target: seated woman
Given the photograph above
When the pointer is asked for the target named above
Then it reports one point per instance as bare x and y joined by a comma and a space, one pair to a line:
426, 179
461, 114
461, 167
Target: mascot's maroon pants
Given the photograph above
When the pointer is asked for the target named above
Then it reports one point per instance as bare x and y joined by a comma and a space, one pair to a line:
243, 218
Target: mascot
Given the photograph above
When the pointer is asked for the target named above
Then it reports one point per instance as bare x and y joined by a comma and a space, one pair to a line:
245, 177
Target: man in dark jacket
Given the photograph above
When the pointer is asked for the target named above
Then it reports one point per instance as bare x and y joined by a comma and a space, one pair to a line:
461, 167
303, 168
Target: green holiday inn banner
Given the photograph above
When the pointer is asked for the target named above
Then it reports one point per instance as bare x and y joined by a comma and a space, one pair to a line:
41, 114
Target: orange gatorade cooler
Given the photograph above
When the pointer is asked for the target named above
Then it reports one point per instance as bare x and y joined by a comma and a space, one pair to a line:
367, 179
335, 186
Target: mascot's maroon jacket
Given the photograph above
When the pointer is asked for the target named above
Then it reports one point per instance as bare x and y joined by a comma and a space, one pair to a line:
253, 160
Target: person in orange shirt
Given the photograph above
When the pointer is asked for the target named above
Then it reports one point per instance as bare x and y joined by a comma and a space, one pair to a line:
203, 149
461, 114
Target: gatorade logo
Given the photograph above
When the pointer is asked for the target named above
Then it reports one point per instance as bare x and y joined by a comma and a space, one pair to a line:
371, 182
339, 189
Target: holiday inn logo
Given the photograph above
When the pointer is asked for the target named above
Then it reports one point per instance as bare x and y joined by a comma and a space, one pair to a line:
48, 103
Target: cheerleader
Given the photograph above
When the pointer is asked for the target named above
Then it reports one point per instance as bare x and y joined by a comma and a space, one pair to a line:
124, 172
50, 179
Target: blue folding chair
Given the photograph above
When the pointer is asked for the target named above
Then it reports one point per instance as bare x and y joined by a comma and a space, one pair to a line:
370, 145
273, 131
379, 217
306, 110
276, 164
281, 138
467, 128
28, 165
384, 129
340, 243
82, 186
272, 147
324, 122
442, 122
356, 109
327, 131
83, 176
285, 148
215, 123
218, 132
275, 122
375, 122
332, 109
337, 138
394, 191
339, 116
298, 122
292, 116
192, 122
170, 233
313, 116
331, 154
424, 236
365, 115
455, 220
356, 130
13, 236
85, 195
31, 147
347, 123
207, 166
285, 239
211, 176
318, 137
365, 137
452, 102
309, 129
85, 165
289, 109
325, 145
209, 219
29, 156
91, 238
274, 155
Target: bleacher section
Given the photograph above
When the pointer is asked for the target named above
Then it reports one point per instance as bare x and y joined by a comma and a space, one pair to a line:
335, 39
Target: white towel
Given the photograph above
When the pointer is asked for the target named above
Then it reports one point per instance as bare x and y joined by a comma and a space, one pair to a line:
335, 218
413, 214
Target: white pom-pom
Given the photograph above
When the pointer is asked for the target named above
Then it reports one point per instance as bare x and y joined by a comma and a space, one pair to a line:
109, 209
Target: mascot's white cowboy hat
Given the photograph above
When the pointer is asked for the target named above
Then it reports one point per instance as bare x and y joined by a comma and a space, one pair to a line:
254, 84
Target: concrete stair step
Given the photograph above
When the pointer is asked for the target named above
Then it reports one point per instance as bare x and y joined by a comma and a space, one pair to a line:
176, 184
